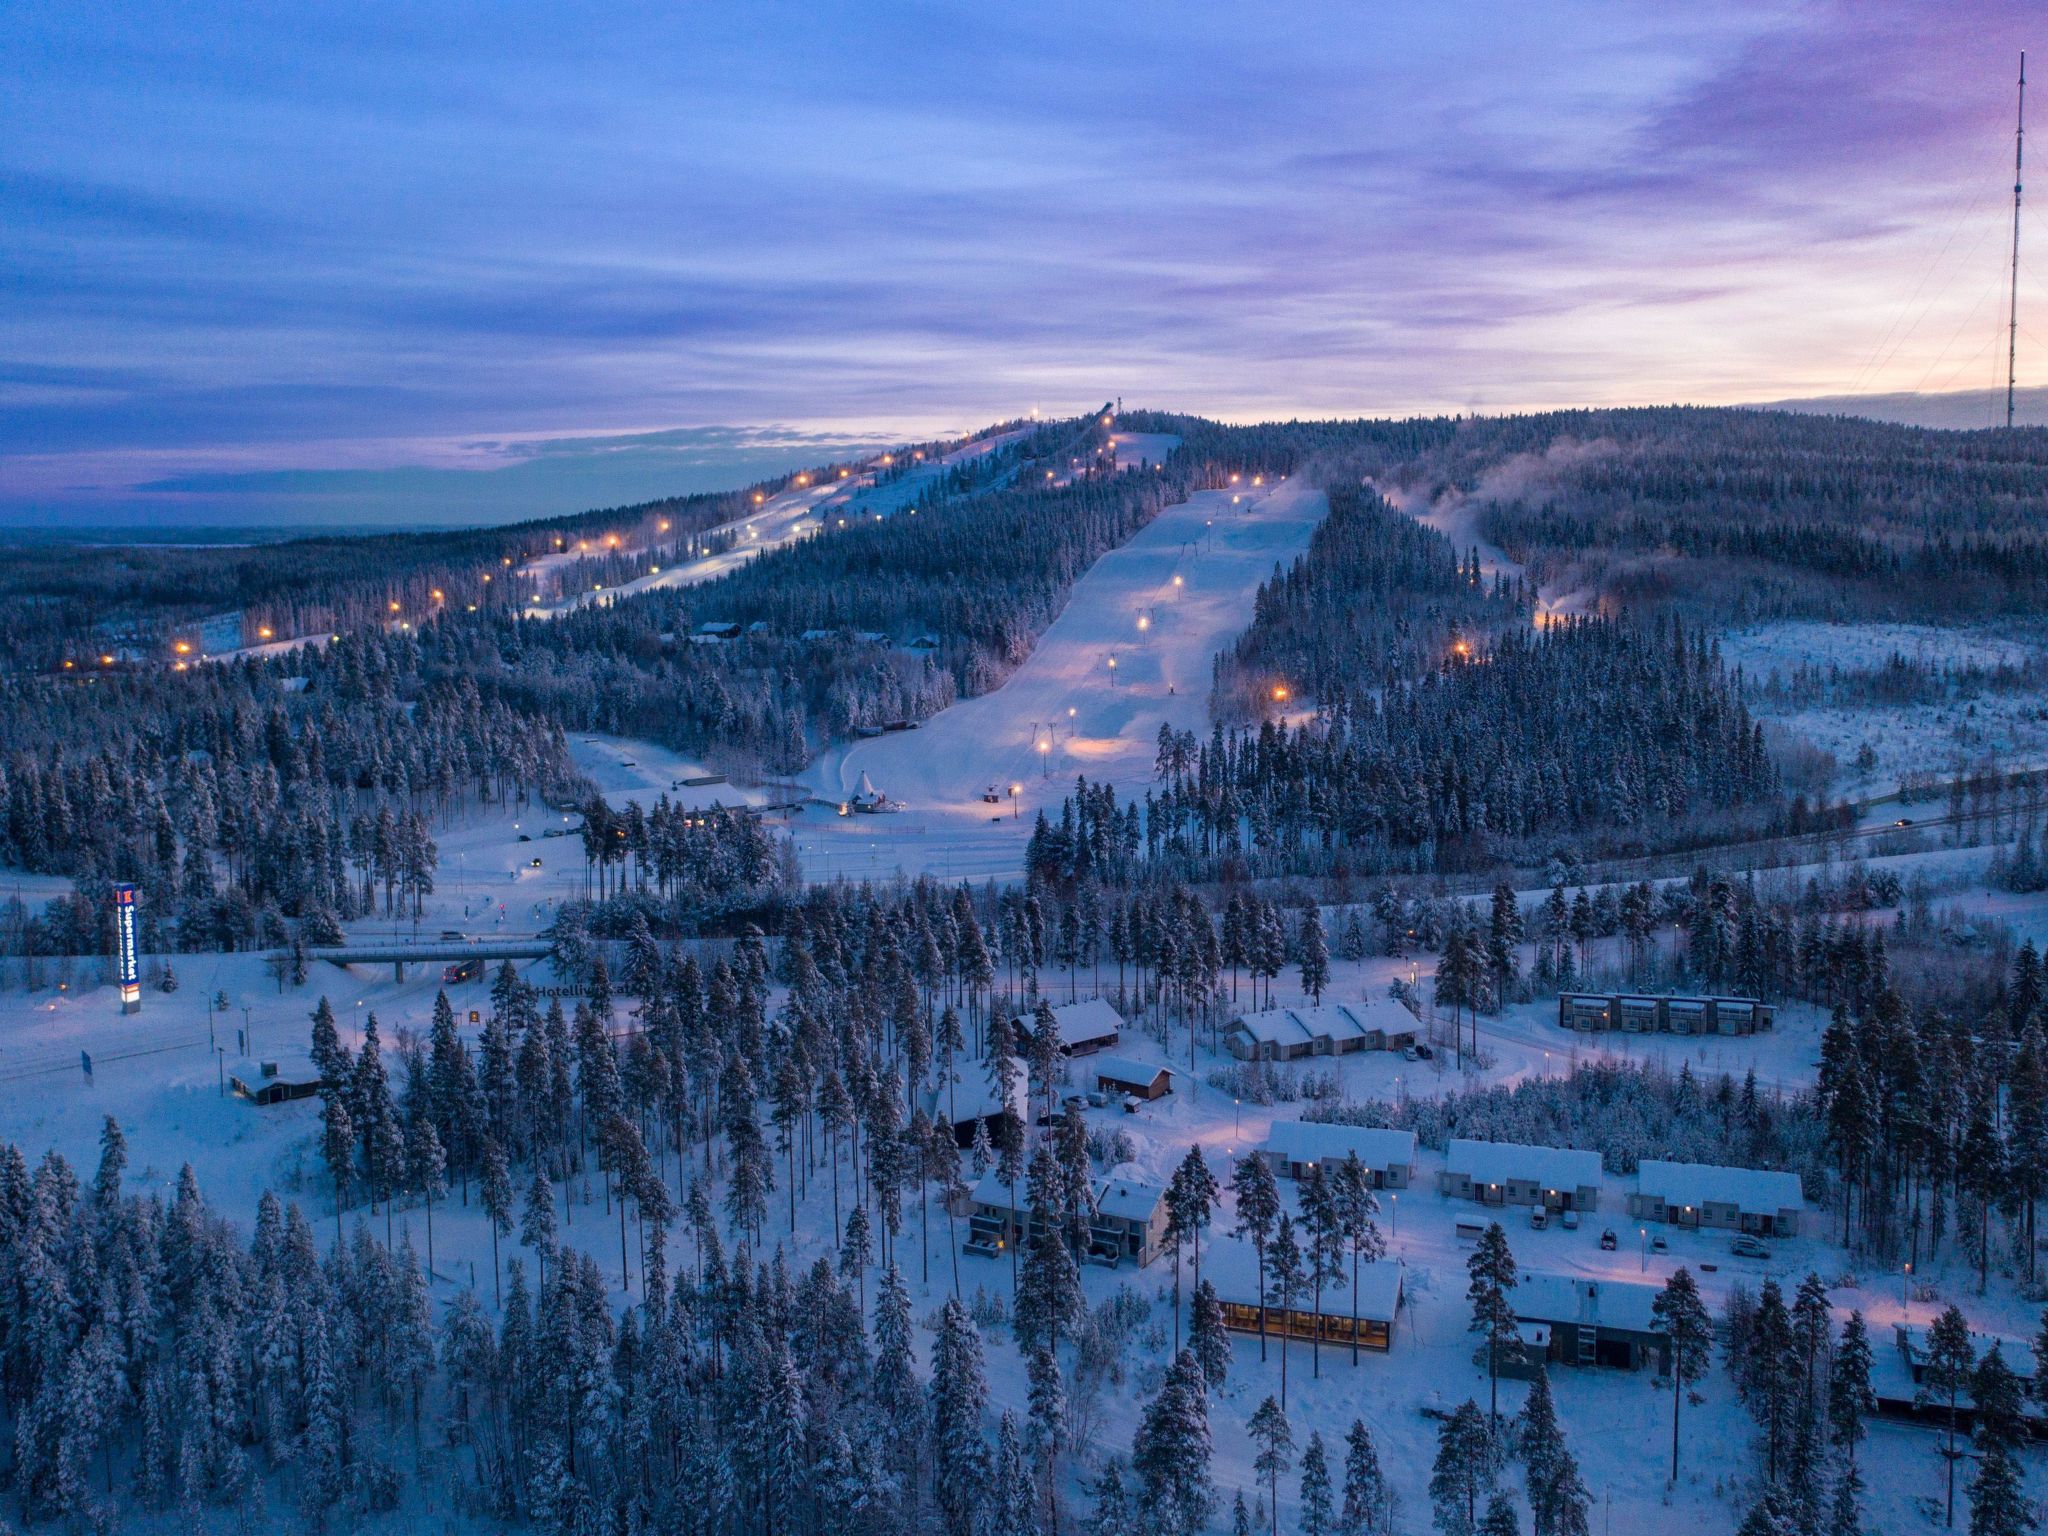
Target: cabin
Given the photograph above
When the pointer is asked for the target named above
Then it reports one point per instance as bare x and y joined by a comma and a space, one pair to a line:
1507, 1173
1085, 1028
1334, 1029
1294, 1146
924, 642
276, 1078
1582, 1320
1761, 1201
972, 1100
1638, 1013
1126, 1223
716, 629
1129, 1223
1232, 1267
1138, 1079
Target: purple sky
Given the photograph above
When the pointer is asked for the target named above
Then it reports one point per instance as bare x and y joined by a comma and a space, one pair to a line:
397, 252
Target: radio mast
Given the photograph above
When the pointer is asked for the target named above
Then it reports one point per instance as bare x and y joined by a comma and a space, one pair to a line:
2012, 324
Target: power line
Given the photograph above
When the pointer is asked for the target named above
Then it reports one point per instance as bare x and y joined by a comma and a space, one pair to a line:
2012, 333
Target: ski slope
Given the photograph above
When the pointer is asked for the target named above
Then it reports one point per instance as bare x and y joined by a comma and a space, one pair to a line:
1160, 607
795, 513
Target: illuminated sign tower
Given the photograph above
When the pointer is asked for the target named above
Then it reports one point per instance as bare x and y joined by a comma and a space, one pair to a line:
124, 940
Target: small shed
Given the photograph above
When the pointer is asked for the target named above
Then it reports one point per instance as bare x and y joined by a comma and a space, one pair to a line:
1139, 1079
275, 1078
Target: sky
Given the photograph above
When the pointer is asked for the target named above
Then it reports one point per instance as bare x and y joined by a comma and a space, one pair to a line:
344, 264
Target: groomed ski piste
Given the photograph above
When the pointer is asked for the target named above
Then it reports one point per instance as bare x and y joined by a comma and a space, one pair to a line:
1130, 652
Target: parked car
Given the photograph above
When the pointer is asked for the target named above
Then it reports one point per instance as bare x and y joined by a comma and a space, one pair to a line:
1607, 1240
1747, 1247
1569, 1219
1539, 1218
1411, 1053
1424, 1052
1658, 1245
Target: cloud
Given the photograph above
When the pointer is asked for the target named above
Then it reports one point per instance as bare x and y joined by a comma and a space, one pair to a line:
240, 237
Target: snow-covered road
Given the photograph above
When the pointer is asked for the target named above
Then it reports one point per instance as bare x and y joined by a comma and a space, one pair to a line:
1159, 608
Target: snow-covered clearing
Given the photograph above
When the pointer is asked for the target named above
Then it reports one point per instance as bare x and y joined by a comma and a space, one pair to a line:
1942, 739
1159, 609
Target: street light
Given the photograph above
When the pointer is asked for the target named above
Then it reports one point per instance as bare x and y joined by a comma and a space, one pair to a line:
1643, 1247
1013, 800
1112, 671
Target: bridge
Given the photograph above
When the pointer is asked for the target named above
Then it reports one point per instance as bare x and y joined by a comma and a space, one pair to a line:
398, 953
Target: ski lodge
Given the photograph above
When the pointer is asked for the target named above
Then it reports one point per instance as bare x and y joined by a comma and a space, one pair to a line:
1760, 1201
1335, 1029
1640, 1014
1508, 1173
1232, 1267
1294, 1146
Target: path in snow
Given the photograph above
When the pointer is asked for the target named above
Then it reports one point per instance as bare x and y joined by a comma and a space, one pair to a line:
1060, 714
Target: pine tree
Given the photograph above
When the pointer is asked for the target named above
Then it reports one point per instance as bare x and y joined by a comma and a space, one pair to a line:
1170, 1453
1271, 1433
1258, 1212
1317, 1504
1849, 1393
1365, 1511
1951, 1362
1315, 954
1683, 1319
958, 1395
1492, 1276
1464, 1470
1500, 1518
1209, 1336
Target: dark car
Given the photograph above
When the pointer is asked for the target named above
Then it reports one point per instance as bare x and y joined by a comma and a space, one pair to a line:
1608, 1240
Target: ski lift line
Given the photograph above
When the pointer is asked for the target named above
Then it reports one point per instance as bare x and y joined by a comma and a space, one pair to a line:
1969, 320
1934, 303
70, 1063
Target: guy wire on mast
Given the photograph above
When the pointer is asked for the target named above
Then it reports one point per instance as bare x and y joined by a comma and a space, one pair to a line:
2012, 324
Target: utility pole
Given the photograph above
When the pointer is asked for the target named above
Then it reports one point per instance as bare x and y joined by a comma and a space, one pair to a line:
2012, 324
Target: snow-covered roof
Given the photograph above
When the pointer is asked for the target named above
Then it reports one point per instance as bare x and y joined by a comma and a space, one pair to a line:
2018, 1353
1078, 1023
974, 1097
1384, 1014
1233, 1268
1747, 1189
993, 1190
1272, 1026
1544, 1297
1128, 1200
1316, 1141
294, 1064
1124, 1069
1334, 1021
1495, 1162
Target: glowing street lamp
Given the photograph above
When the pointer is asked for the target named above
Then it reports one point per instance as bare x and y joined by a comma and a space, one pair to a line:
1013, 800
1279, 693
1112, 671
1045, 759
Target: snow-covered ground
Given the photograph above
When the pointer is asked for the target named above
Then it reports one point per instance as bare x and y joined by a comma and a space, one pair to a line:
1942, 739
1159, 608
157, 1074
